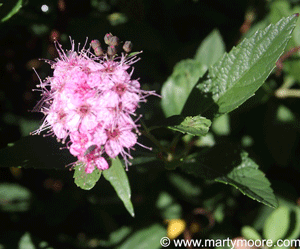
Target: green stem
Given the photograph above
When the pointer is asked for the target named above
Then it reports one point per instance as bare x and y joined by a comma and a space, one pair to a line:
288, 82
286, 93
175, 140
147, 133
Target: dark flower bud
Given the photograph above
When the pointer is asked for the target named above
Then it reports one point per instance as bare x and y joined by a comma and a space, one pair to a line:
107, 38
95, 44
111, 50
127, 46
114, 41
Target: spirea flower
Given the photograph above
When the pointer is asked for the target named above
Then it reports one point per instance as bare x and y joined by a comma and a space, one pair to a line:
90, 101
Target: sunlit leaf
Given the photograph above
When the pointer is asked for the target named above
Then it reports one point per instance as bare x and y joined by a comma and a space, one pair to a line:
250, 233
85, 180
221, 125
117, 177
238, 75
197, 126
277, 224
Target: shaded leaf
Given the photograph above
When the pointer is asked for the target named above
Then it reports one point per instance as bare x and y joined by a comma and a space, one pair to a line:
26, 242
233, 167
183, 185
178, 86
169, 208
118, 179
9, 8
211, 49
209, 166
14, 198
250, 233
285, 115
116, 237
236, 77
84, 180
148, 237
251, 181
36, 152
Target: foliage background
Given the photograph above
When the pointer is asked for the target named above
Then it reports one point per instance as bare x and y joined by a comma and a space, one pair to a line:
52, 209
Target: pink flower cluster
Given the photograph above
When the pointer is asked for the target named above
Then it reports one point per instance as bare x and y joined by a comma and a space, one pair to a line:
91, 100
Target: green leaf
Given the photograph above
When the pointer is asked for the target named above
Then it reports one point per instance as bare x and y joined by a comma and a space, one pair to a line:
183, 185
9, 8
117, 18
84, 180
294, 229
118, 179
250, 233
14, 198
277, 224
251, 181
221, 125
168, 206
148, 237
236, 77
211, 49
116, 237
207, 165
197, 126
178, 86
285, 115
231, 166
26, 242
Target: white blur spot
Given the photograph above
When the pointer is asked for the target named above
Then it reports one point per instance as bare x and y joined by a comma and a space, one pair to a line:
44, 8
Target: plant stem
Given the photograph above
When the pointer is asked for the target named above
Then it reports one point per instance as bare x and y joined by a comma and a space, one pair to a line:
285, 93
147, 133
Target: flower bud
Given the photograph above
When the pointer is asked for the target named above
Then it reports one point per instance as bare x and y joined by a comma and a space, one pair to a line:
107, 38
95, 44
111, 50
114, 41
127, 46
